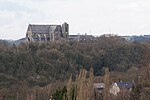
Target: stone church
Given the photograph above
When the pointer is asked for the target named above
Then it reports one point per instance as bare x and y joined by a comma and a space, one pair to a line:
47, 32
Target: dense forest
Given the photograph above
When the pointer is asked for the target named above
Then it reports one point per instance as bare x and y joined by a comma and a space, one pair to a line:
38, 64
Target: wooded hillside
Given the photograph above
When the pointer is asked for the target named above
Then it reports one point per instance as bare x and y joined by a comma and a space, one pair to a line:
38, 64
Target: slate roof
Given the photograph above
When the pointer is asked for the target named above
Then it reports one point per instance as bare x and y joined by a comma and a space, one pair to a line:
42, 29
127, 85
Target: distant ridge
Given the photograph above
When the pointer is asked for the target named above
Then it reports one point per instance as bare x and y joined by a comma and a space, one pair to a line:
135, 38
16, 42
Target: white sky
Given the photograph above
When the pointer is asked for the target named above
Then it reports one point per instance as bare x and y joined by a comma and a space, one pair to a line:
96, 17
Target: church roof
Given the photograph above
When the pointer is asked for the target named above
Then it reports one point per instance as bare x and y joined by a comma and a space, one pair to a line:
42, 29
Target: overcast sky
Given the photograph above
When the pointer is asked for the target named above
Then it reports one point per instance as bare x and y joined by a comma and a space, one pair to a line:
96, 17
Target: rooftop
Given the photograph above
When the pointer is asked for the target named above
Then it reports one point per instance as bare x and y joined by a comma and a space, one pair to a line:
127, 85
42, 29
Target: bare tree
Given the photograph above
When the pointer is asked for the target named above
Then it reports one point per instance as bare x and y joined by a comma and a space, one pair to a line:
107, 84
